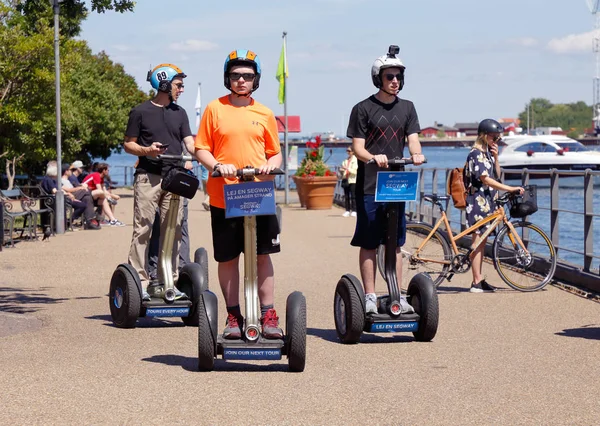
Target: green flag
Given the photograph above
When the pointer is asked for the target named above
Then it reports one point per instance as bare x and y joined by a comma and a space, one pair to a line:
282, 70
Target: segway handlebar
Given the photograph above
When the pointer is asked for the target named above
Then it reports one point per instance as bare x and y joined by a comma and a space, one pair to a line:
397, 161
175, 157
250, 171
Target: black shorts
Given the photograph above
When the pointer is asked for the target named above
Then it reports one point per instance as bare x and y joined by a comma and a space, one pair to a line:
228, 235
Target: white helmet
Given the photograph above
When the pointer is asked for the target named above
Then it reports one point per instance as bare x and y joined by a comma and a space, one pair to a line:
387, 61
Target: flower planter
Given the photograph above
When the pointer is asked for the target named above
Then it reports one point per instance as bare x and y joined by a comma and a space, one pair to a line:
317, 191
299, 189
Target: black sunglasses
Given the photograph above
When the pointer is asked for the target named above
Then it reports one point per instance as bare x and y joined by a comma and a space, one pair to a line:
390, 77
496, 138
247, 76
180, 85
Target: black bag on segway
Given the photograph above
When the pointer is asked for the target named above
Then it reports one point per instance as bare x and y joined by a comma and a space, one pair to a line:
526, 204
178, 180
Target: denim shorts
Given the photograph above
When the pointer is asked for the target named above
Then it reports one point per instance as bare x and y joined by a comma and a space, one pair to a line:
371, 223
203, 173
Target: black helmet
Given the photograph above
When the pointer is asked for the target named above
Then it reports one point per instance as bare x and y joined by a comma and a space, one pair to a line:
490, 126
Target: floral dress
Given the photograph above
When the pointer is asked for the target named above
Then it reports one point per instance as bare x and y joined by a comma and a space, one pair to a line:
480, 197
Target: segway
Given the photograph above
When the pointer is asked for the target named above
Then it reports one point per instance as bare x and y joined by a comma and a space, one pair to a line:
349, 308
258, 198
125, 294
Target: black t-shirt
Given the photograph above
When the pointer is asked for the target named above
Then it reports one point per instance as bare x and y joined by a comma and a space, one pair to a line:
150, 123
384, 127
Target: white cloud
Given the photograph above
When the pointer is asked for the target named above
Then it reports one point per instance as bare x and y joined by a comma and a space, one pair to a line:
194, 46
572, 43
524, 41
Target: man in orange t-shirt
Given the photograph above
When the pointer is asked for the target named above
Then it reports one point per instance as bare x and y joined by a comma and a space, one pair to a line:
236, 131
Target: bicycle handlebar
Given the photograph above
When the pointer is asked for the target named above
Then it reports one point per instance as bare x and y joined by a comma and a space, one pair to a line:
250, 171
397, 161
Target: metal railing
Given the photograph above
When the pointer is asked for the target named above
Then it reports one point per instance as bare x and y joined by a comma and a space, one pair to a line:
586, 273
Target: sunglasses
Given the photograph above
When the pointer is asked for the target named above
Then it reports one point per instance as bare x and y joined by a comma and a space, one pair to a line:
496, 138
180, 85
390, 77
247, 76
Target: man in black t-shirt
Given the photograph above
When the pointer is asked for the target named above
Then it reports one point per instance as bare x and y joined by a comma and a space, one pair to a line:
156, 127
379, 127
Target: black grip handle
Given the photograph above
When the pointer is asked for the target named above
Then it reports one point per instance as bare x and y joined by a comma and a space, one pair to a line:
175, 157
250, 171
397, 161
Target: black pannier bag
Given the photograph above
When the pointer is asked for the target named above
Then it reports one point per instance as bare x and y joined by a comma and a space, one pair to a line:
180, 181
526, 204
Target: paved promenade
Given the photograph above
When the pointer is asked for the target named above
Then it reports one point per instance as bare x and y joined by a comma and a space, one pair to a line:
508, 358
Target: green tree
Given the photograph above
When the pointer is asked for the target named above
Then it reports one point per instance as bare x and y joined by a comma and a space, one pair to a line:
96, 98
573, 118
72, 12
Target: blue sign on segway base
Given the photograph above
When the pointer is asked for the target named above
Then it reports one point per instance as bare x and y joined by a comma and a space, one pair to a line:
250, 199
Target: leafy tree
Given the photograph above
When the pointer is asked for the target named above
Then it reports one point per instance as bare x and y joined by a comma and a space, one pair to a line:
573, 118
96, 98
72, 12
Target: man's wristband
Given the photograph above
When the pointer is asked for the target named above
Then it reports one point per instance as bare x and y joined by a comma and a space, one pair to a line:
216, 166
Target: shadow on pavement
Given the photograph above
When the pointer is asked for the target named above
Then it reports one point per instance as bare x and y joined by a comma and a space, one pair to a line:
331, 336
23, 300
191, 364
141, 322
585, 332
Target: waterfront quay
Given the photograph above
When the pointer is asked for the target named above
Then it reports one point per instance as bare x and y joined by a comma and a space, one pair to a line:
508, 358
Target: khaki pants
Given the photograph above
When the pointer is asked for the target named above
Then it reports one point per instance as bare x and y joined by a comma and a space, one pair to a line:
147, 197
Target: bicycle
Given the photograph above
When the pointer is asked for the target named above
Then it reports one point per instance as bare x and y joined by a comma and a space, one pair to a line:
522, 253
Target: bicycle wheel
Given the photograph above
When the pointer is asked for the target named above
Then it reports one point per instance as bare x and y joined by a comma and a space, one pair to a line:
435, 249
528, 268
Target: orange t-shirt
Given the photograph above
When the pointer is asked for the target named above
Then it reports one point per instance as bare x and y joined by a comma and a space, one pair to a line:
242, 136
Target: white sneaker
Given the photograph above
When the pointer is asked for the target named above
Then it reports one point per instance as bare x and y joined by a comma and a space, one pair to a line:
406, 307
346, 213
353, 214
371, 303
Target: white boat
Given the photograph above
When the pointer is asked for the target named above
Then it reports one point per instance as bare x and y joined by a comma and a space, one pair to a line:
547, 152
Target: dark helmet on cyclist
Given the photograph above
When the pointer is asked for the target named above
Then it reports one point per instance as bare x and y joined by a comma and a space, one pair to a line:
161, 76
242, 57
490, 126
387, 61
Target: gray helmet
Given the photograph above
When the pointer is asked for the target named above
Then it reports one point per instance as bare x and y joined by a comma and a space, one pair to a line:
387, 61
490, 126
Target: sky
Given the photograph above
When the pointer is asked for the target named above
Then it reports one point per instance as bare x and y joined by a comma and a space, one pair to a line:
465, 60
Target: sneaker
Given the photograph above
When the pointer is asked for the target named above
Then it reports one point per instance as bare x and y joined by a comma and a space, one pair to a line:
405, 307
346, 213
353, 214
233, 327
476, 288
371, 303
92, 224
145, 296
104, 222
206, 204
270, 325
487, 287
116, 223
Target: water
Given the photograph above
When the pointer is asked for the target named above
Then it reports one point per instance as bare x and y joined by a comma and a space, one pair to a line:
570, 194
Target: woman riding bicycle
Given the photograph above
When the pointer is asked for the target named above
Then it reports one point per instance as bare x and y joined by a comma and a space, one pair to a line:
481, 173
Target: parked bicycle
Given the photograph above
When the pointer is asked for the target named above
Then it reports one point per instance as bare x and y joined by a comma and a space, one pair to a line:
522, 253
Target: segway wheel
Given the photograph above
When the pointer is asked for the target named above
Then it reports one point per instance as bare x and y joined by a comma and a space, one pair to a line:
295, 324
348, 310
206, 340
192, 282
124, 298
201, 258
422, 295
279, 214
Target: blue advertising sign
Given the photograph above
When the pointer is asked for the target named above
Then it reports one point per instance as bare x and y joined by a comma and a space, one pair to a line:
396, 186
250, 199
252, 353
378, 327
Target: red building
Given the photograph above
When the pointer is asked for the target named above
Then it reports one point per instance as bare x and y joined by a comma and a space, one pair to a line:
436, 129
